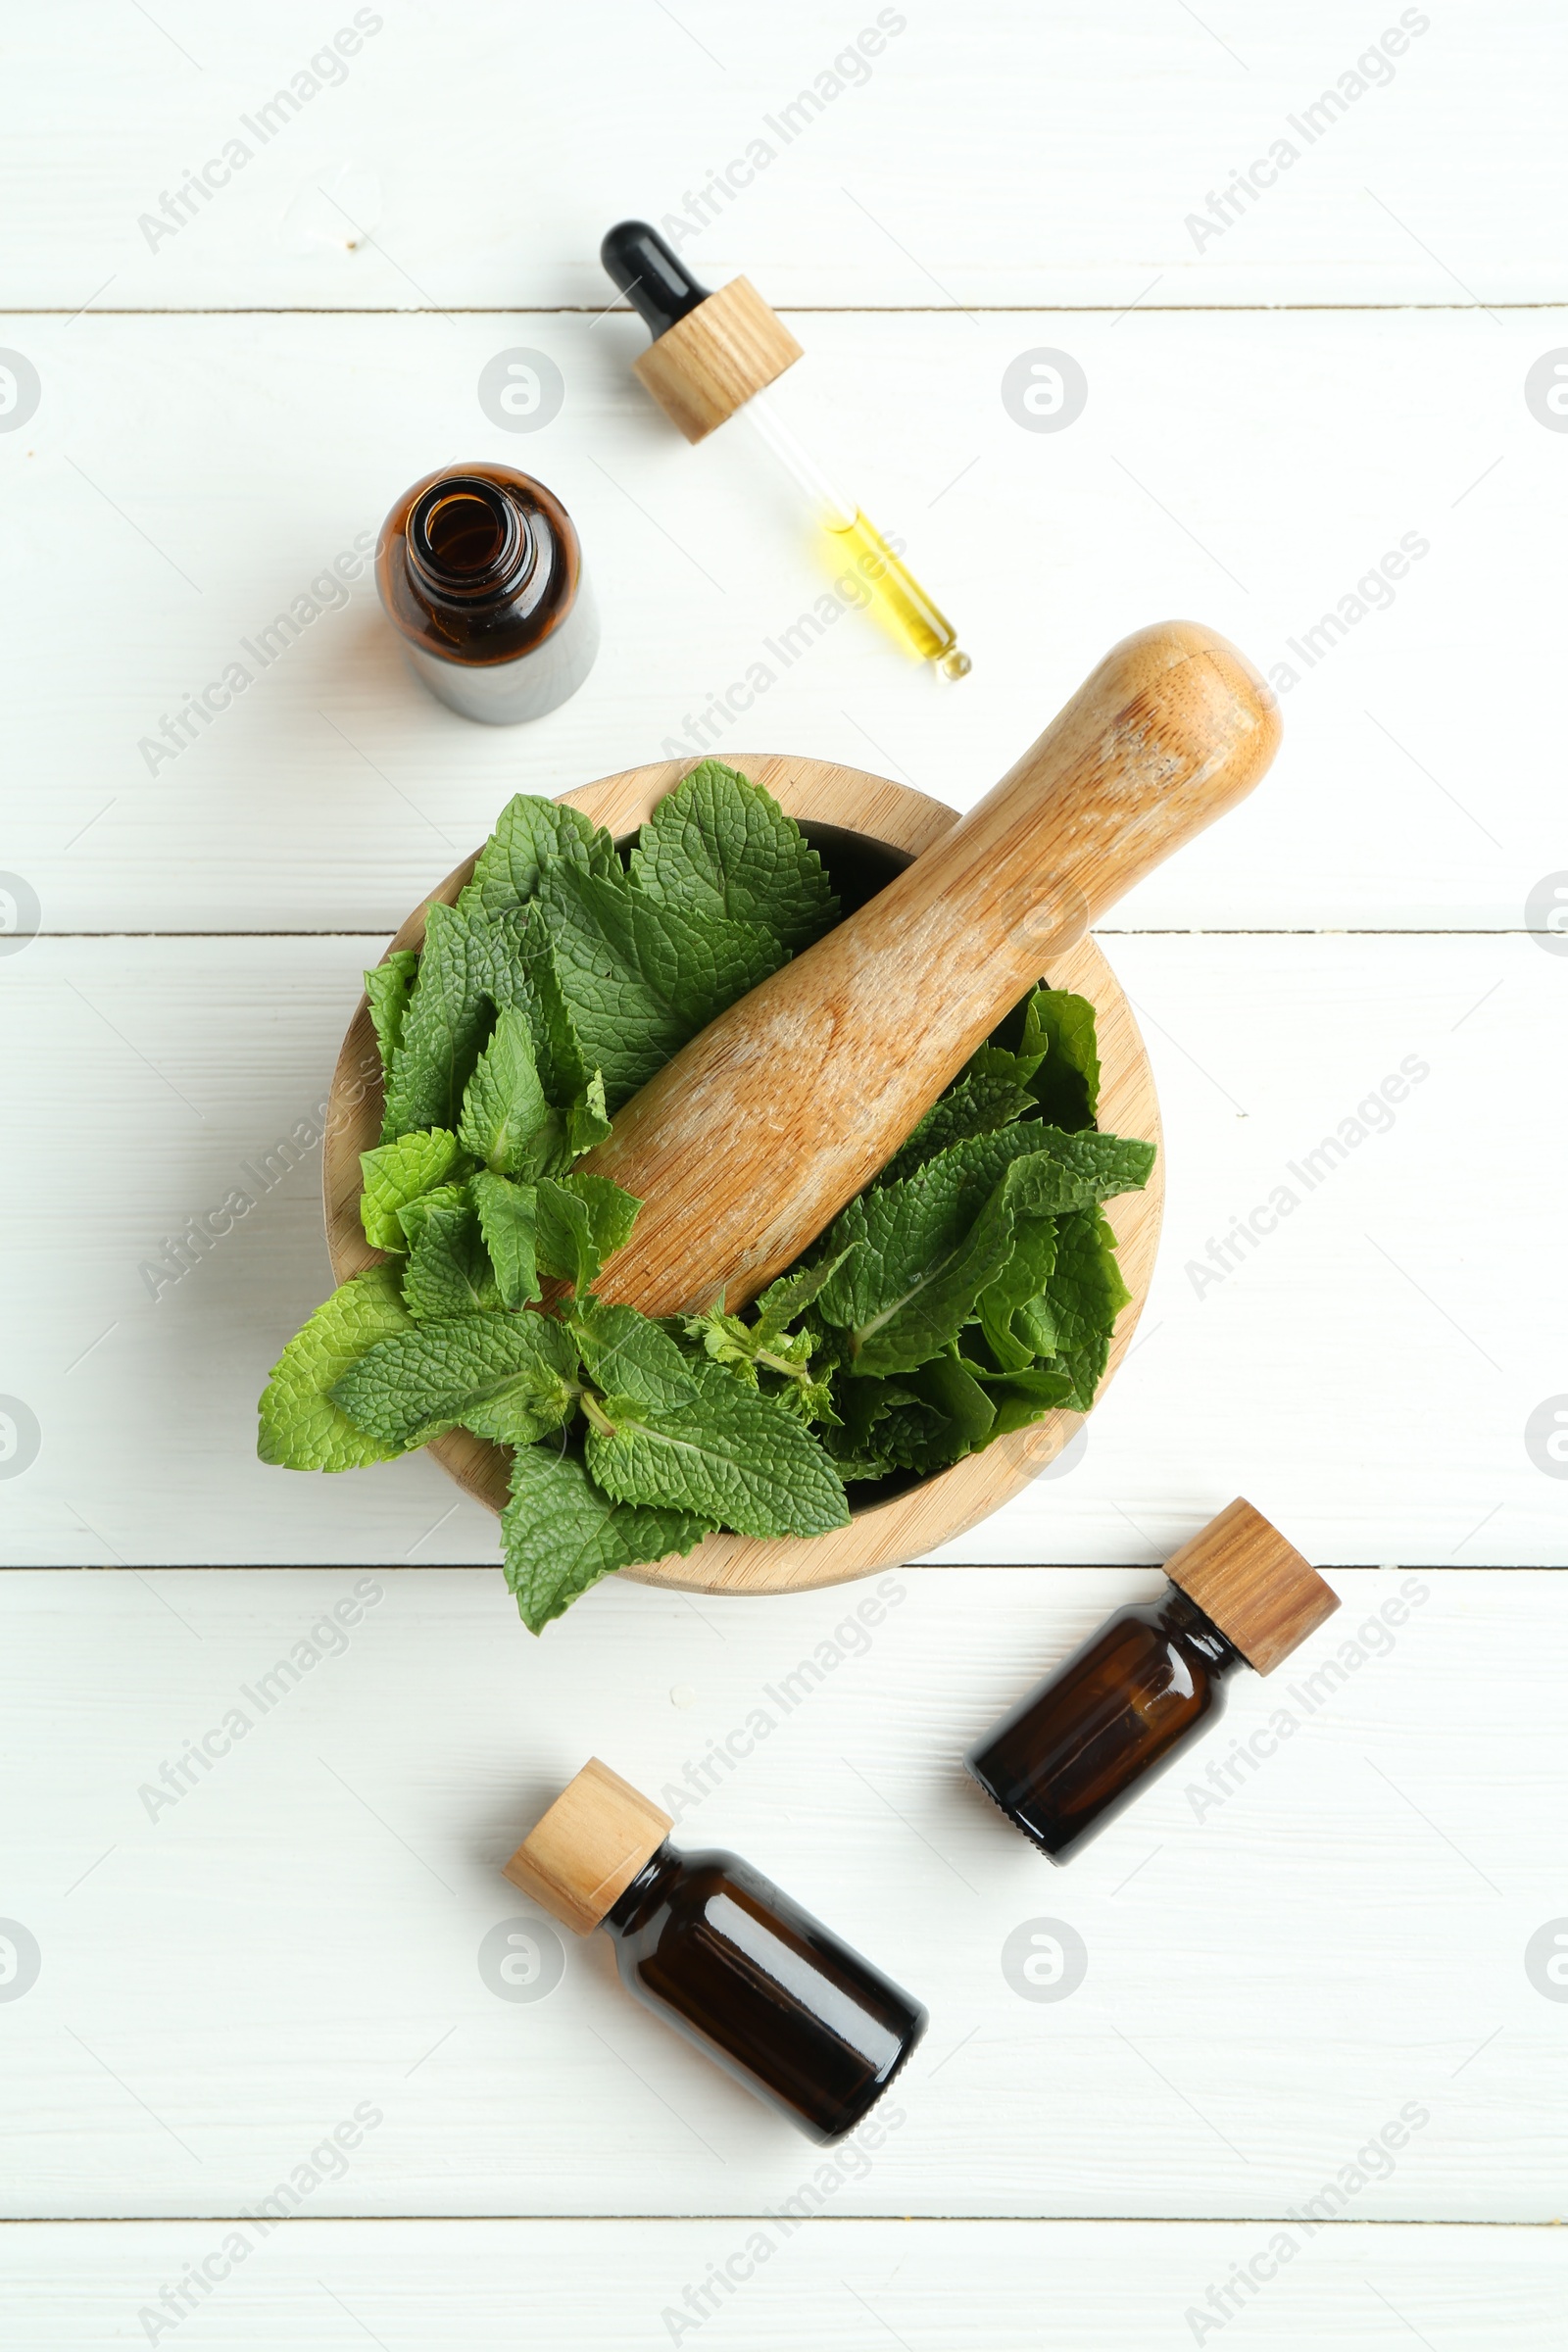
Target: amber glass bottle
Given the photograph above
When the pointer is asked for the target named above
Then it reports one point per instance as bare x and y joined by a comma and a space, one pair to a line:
1076, 1750
723, 1956
480, 569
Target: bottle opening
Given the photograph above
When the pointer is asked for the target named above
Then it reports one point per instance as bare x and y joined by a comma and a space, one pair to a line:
466, 536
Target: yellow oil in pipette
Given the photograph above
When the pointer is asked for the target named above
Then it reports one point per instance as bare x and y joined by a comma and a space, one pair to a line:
859, 551
897, 596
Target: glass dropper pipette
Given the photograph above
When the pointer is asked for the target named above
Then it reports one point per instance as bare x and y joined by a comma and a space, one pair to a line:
894, 591
711, 358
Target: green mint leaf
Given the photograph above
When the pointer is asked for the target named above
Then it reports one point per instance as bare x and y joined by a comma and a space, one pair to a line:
1017, 1047
505, 1213
396, 1174
1012, 1352
853, 1440
991, 1061
1085, 1367
449, 1271
504, 1106
857, 1468
612, 1212
955, 1393
528, 982
300, 1427
925, 1255
566, 1134
915, 1436
720, 846
1086, 1291
387, 991
561, 1534
977, 1106
509, 1378
730, 1455
1033, 1261
587, 1120
1033, 1027
414, 1215
626, 1354
1065, 1173
640, 978
1020, 1285
449, 1017
791, 1294
1029, 1395
1067, 1081
563, 1237
1036, 1327
471, 966
532, 835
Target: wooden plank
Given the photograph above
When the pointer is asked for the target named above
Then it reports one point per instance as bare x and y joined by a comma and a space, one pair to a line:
1362, 1363
228, 1973
984, 155
219, 468
965, 2287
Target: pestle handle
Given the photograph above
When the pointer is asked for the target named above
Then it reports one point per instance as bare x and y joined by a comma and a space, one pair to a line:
752, 1139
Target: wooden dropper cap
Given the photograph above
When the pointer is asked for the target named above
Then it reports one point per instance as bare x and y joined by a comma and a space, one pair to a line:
711, 353
1257, 1587
580, 1858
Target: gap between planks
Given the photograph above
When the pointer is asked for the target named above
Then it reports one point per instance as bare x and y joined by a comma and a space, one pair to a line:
1101, 931
820, 310
1449, 1567
824, 2220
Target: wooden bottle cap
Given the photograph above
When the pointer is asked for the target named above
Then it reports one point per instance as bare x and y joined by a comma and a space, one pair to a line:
709, 363
1257, 1587
581, 1858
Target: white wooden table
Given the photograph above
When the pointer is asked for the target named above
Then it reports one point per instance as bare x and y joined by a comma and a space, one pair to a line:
1355, 1932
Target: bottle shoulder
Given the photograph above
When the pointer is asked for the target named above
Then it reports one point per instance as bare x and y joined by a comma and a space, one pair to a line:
1174, 1626
1145, 1654
708, 1887
708, 1871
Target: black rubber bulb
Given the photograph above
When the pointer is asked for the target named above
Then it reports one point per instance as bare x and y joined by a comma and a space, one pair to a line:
654, 279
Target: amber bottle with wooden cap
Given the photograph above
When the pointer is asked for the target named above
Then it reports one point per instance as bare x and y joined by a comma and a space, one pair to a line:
480, 570
1076, 1751
722, 1955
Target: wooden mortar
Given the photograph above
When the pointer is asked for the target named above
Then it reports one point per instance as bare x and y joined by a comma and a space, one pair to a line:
847, 1045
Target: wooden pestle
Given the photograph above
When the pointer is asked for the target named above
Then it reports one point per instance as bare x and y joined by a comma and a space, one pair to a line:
752, 1139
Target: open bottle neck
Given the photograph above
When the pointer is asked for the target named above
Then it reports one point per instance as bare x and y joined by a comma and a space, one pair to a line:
469, 544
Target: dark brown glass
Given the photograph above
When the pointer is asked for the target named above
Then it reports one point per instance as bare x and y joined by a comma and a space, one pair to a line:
761, 1987
1075, 1753
480, 569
